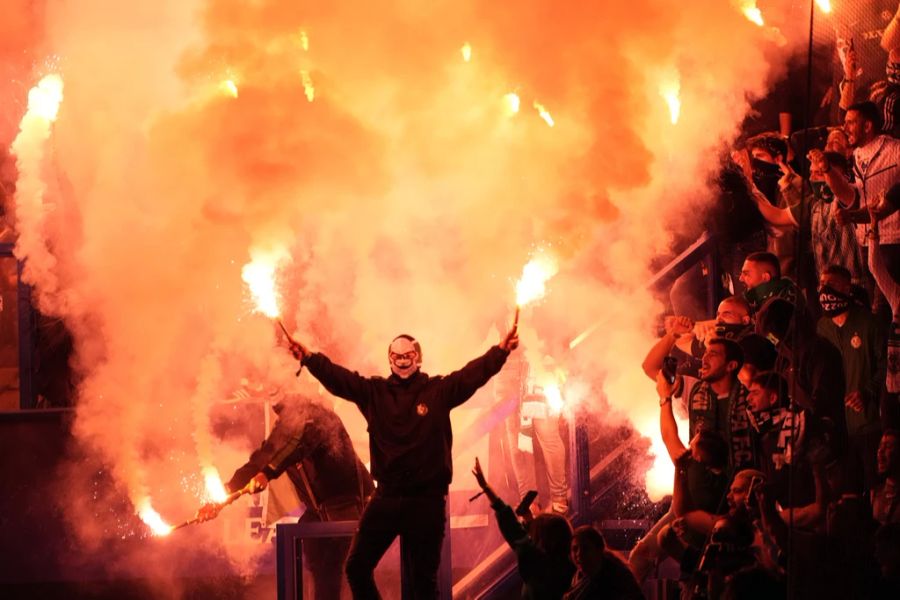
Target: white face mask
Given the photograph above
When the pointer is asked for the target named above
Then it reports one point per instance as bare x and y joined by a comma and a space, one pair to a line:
405, 357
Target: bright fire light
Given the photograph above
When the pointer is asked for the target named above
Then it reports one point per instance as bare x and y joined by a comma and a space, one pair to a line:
554, 398
229, 87
304, 41
259, 275
543, 112
308, 88
214, 486
824, 5
670, 91
466, 51
752, 12
661, 475
533, 283
512, 103
44, 98
152, 519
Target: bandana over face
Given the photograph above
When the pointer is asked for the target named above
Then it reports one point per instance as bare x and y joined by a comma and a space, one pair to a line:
405, 356
832, 301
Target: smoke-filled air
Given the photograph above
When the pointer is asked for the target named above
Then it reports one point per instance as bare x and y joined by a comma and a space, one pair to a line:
358, 170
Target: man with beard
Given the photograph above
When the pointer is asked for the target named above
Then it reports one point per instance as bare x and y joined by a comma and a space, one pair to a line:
855, 332
410, 438
685, 340
761, 274
717, 402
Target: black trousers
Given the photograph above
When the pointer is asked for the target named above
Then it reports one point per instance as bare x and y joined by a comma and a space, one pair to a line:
419, 521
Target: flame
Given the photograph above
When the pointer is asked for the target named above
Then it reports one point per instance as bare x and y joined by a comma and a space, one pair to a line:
512, 102
229, 87
824, 5
214, 487
661, 475
670, 91
44, 98
543, 112
259, 275
466, 52
753, 14
308, 88
152, 519
304, 41
532, 285
554, 398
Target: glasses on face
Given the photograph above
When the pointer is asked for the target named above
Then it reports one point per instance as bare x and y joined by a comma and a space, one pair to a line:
407, 356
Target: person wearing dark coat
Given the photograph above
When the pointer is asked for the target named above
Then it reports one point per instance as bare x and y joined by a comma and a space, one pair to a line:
410, 440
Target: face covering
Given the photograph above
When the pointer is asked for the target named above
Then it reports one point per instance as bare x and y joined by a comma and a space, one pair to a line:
833, 302
731, 331
405, 356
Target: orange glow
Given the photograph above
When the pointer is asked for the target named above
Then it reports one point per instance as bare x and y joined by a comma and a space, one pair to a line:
670, 91
152, 519
259, 275
824, 5
543, 112
512, 102
533, 283
304, 41
45, 97
466, 51
214, 487
308, 88
753, 14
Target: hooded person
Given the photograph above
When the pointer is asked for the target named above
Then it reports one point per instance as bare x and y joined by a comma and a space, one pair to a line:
311, 446
410, 441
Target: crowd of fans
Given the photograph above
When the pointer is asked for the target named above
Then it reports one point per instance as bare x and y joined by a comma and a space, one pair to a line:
787, 482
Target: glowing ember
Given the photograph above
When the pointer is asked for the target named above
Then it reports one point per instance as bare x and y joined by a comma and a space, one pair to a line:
308, 88
512, 103
753, 14
229, 87
670, 91
466, 52
304, 41
824, 5
45, 97
214, 487
152, 519
543, 112
532, 285
259, 275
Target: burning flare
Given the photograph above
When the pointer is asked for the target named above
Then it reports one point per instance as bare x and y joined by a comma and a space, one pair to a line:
214, 487
824, 5
152, 519
670, 91
532, 285
308, 88
304, 41
466, 51
750, 10
259, 275
512, 103
229, 87
543, 112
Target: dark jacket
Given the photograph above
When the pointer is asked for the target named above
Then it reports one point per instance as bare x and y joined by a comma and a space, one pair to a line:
310, 443
543, 576
409, 419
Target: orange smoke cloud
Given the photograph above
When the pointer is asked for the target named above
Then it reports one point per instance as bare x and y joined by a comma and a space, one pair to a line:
406, 196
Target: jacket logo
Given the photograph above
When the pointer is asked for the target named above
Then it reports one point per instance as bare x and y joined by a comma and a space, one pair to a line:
421, 409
